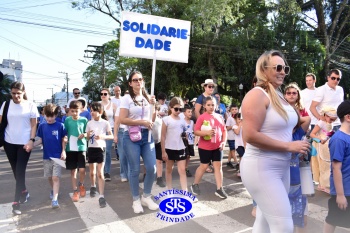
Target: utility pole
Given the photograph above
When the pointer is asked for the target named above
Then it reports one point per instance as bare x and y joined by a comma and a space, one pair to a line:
67, 83
51, 94
98, 50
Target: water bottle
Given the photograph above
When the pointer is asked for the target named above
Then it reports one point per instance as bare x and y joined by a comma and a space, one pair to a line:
307, 185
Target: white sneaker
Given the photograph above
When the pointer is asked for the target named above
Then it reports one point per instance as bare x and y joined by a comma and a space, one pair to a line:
136, 205
124, 180
195, 200
147, 201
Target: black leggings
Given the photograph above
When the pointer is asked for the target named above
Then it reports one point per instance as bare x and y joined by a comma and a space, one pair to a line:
18, 158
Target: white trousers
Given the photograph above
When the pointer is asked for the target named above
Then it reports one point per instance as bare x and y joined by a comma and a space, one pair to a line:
267, 180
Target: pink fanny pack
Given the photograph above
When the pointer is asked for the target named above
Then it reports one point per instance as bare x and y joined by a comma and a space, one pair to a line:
135, 130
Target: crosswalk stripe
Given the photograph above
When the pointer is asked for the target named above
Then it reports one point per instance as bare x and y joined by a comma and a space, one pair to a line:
8, 222
104, 220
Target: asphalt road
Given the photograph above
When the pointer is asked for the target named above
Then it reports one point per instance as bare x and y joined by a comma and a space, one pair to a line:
212, 214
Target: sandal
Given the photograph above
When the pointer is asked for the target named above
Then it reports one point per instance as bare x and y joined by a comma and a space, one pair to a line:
209, 169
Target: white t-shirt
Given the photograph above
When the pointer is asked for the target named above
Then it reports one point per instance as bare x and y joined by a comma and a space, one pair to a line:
100, 127
307, 96
116, 101
121, 126
238, 138
109, 112
327, 96
189, 132
164, 109
173, 140
18, 117
230, 134
135, 111
79, 98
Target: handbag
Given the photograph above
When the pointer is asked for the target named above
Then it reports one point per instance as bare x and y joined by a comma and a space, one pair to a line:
3, 123
135, 130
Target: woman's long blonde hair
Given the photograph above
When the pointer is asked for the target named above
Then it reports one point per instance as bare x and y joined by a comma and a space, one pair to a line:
263, 82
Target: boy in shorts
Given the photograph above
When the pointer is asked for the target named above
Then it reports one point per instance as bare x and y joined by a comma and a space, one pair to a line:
230, 124
339, 147
189, 150
76, 148
51, 134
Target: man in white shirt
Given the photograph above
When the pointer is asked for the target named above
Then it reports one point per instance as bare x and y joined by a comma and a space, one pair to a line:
308, 94
76, 93
330, 94
117, 96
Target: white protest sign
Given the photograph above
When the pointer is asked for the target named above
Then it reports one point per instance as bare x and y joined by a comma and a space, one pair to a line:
154, 37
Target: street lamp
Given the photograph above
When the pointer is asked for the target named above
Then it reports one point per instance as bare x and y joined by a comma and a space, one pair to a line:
240, 87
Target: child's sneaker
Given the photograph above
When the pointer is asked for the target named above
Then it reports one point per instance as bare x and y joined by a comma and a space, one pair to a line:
82, 191
221, 193
195, 189
93, 191
15, 209
147, 201
188, 173
51, 194
107, 177
102, 202
75, 196
136, 205
54, 204
160, 182
24, 197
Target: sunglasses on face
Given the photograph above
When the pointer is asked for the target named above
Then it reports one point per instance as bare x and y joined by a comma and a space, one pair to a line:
334, 78
135, 80
210, 86
279, 68
178, 109
105, 94
76, 93
291, 93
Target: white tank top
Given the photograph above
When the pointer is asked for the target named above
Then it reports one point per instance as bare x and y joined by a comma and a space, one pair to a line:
109, 113
277, 128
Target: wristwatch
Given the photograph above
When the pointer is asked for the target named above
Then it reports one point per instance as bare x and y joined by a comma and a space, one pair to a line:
32, 139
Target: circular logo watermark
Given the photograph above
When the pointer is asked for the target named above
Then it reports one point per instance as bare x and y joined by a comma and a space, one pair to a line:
175, 205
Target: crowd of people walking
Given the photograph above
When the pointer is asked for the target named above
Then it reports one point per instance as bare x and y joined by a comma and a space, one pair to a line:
267, 132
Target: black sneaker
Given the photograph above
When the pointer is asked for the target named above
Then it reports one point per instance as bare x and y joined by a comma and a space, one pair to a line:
15, 209
188, 173
221, 193
102, 202
195, 189
93, 191
160, 182
229, 164
107, 177
24, 197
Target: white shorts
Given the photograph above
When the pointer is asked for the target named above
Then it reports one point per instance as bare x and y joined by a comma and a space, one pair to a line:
51, 168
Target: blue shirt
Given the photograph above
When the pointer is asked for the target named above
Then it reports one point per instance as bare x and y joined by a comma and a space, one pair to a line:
51, 135
339, 148
86, 114
294, 163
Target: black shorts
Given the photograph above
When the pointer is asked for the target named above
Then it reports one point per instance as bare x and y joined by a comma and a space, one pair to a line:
175, 154
158, 148
205, 156
96, 154
75, 159
336, 216
189, 150
240, 150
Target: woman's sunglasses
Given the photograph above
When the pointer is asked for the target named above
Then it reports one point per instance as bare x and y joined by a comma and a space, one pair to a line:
291, 93
279, 68
135, 80
105, 94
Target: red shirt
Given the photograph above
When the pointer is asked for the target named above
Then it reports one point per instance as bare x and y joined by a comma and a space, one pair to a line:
303, 112
217, 123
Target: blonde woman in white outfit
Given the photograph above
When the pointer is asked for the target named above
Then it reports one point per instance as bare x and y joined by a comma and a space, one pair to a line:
267, 129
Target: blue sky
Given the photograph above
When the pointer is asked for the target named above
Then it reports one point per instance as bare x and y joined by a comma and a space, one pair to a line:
44, 51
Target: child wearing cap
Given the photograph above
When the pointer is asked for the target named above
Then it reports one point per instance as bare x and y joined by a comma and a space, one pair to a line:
339, 146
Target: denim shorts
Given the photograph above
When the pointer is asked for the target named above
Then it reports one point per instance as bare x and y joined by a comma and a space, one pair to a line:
231, 144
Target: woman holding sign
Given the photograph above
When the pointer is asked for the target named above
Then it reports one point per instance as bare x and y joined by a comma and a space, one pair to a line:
134, 113
19, 138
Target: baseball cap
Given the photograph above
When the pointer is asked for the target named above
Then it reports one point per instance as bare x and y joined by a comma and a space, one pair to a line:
343, 109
